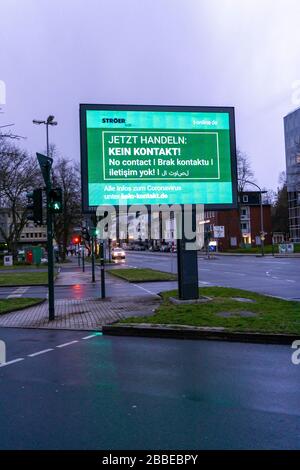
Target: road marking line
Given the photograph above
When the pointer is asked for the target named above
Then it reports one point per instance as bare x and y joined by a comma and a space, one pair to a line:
67, 344
40, 352
146, 290
290, 280
17, 292
12, 362
90, 336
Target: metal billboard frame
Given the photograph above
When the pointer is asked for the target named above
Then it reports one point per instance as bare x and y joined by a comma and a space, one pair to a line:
86, 209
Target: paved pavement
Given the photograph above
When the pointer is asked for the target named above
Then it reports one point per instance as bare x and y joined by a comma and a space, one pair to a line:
82, 314
70, 390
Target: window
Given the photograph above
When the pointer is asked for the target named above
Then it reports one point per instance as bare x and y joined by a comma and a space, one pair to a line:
245, 198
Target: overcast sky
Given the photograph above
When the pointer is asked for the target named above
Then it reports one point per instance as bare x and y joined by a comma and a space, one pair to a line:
55, 54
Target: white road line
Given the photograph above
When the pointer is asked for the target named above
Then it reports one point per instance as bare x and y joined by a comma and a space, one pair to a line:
146, 290
204, 283
67, 344
91, 336
18, 292
40, 352
233, 273
12, 362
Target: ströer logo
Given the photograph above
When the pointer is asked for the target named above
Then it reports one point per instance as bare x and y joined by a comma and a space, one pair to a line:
114, 120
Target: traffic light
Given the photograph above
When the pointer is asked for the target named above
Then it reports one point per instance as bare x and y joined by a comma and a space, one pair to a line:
55, 201
35, 206
76, 239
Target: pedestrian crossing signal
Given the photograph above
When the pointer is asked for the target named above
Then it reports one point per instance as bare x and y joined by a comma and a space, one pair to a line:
56, 201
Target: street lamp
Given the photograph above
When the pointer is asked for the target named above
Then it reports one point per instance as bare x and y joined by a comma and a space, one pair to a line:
262, 233
49, 122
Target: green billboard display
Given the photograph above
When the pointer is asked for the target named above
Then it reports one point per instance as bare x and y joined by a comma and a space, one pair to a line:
157, 155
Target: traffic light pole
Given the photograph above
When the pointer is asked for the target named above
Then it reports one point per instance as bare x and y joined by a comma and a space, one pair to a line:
50, 247
82, 251
54, 204
93, 258
102, 271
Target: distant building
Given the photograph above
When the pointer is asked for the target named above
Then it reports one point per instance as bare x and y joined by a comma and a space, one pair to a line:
242, 227
31, 234
292, 155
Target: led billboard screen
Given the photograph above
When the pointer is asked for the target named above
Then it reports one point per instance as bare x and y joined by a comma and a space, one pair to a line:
157, 155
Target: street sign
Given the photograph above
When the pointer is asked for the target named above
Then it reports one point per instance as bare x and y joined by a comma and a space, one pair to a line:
157, 155
219, 231
45, 165
285, 248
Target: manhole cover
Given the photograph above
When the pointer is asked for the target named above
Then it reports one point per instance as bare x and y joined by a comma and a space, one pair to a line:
243, 299
241, 313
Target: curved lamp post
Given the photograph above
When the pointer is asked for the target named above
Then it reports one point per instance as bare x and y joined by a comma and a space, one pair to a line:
262, 233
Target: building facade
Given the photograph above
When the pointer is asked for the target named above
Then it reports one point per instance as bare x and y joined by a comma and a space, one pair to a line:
292, 155
242, 226
31, 234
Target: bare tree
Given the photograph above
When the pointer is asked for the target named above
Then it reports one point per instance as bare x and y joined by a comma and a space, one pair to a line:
244, 170
66, 175
18, 175
280, 209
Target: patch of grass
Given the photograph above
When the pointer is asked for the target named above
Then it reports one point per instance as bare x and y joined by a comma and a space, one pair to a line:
9, 305
142, 275
23, 279
272, 315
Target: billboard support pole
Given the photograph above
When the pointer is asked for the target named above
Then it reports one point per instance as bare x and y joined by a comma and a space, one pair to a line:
187, 263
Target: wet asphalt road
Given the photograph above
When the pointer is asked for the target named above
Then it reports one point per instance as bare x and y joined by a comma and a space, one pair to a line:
143, 393
273, 276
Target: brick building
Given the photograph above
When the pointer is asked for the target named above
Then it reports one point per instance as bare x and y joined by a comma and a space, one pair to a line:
243, 225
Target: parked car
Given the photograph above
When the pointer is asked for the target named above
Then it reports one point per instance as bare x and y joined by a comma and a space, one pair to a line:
117, 253
165, 248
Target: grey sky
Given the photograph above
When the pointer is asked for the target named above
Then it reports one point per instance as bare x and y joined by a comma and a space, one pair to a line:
55, 54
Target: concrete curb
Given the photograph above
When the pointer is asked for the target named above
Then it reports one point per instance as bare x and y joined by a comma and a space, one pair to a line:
204, 333
142, 281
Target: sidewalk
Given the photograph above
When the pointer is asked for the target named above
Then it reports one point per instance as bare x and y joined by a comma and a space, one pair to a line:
86, 314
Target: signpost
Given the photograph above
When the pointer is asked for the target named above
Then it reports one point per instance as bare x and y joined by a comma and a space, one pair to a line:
152, 155
46, 164
219, 231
